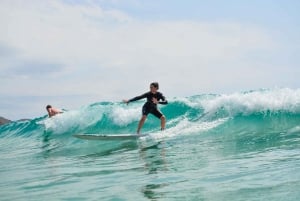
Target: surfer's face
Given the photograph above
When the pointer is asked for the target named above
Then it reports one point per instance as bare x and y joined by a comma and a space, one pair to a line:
153, 89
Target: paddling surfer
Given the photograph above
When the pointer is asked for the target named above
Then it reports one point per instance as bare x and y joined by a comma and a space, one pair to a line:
153, 98
52, 111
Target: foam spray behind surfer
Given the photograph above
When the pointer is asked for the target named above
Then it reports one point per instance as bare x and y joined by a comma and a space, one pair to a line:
153, 98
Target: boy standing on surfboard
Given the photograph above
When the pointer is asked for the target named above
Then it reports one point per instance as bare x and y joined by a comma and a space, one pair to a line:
153, 98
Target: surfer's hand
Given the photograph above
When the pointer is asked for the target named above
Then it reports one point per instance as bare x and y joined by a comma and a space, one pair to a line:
126, 101
154, 100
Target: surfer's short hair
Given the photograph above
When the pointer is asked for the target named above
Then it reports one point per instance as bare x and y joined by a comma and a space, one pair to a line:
48, 106
155, 84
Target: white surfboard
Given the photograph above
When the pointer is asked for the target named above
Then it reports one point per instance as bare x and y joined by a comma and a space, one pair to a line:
109, 136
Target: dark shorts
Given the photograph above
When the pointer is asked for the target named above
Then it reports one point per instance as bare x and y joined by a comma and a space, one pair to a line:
150, 108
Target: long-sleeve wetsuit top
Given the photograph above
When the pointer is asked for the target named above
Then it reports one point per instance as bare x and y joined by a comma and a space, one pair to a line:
159, 96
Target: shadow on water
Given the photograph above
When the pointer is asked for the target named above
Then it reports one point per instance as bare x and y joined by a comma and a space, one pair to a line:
149, 191
155, 162
69, 146
112, 147
154, 158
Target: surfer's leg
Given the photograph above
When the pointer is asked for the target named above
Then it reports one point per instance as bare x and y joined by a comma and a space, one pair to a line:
163, 122
141, 123
162, 118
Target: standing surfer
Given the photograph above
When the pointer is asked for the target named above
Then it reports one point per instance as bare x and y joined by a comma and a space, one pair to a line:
153, 98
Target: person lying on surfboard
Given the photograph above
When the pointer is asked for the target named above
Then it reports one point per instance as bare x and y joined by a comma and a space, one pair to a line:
52, 111
153, 98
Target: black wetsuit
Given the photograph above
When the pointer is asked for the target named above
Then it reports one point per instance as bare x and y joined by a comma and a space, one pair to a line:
149, 106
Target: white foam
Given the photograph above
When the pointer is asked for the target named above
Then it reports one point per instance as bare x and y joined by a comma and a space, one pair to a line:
124, 116
295, 129
185, 127
256, 101
72, 120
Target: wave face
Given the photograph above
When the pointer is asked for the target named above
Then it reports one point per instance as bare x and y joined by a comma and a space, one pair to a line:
253, 111
238, 127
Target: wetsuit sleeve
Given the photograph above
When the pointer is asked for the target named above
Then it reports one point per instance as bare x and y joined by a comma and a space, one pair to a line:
138, 97
163, 100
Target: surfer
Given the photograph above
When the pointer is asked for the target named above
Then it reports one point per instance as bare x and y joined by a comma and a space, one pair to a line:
52, 111
153, 98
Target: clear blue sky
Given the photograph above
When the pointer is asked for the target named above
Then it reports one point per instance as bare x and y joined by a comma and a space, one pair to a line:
70, 53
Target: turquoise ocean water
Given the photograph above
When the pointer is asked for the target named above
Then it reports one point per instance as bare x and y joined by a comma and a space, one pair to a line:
239, 146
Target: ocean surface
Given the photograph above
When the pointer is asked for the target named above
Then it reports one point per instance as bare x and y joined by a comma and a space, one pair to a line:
239, 146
